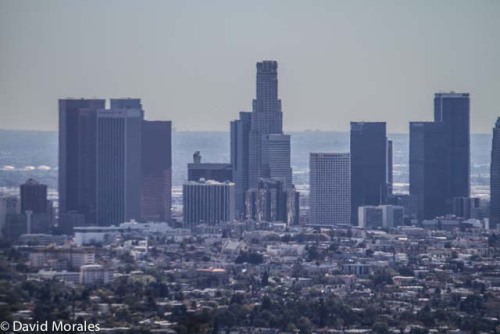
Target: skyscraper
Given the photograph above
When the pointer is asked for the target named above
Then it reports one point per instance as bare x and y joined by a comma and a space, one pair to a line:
119, 144
453, 109
156, 194
495, 178
35, 208
271, 202
240, 133
34, 197
109, 168
259, 149
428, 146
369, 170
77, 158
330, 192
389, 168
207, 202
440, 156
266, 130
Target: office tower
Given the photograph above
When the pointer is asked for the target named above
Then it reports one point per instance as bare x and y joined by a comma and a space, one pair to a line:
156, 194
34, 197
119, 144
440, 156
271, 202
9, 205
369, 171
240, 133
77, 158
207, 202
452, 109
209, 171
259, 149
35, 207
389, 168
106, 174
495, 178
276, 161
330, 189
266, 130
428, 179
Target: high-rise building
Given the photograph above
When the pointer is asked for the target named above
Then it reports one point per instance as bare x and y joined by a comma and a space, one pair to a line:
77, 157
240, 137
440, 156
428, 147
109, 168
35, 207
156, 194
495, 178
209, 171
330, 189
34, 197
276, 162
119, 145
266, 130
389, 168
207, 202
270, 202
9, 206
369, 170
259, 149
453, 109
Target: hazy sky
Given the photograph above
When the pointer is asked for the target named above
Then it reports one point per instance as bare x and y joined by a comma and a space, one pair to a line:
193, 62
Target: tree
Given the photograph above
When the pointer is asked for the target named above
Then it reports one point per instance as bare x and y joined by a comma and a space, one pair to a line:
304, 325
380, 327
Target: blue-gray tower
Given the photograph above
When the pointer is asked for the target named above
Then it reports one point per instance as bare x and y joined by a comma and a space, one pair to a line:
495, 177
259, 149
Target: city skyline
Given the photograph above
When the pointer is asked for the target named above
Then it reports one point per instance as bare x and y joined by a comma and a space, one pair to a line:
340, 61
267, 216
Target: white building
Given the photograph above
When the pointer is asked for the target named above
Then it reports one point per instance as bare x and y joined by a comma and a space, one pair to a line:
330, 192
94, 274
61, 258
87, 235
208, 202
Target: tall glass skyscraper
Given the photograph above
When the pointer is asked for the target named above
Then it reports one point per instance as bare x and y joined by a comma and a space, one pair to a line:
266, 130
495, 177
77, 158
369, 170
428, 146
440, 156
107, 175
240, 137
453, 109
259, 149
119, 144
